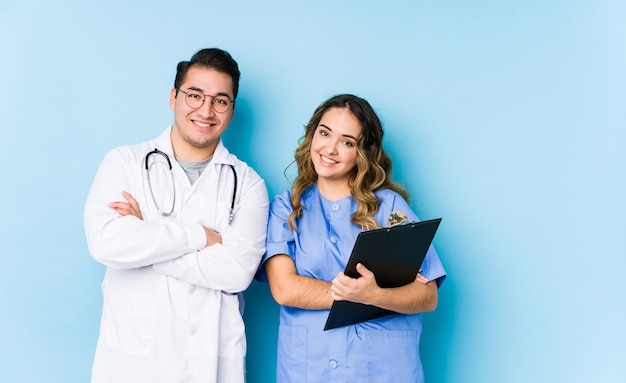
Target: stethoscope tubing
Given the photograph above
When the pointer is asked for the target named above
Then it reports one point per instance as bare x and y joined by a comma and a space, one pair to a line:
231, 211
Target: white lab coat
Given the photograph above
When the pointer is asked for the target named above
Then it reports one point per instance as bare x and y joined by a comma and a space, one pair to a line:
171, 310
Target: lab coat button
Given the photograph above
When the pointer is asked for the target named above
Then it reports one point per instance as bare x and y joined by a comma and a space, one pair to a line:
336, 207
333, 239
333, 364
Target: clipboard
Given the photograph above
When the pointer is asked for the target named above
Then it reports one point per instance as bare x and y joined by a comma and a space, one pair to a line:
395, 255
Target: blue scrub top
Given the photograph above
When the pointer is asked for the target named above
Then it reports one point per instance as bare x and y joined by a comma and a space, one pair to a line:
380, 350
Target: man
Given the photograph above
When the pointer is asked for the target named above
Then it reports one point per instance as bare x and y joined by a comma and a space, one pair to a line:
180, 224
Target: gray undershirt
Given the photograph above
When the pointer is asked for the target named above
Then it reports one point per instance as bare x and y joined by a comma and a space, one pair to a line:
193, 169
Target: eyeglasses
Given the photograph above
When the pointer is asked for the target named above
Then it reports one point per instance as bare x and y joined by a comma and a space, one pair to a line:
195, 99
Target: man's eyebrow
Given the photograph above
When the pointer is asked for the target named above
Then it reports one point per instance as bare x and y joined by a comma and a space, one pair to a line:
202, 91
343, 135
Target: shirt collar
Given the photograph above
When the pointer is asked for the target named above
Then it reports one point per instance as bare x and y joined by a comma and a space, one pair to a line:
220, 156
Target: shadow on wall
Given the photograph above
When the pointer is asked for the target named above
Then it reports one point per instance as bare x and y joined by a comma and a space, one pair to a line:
238, 138
438, 334
261, 318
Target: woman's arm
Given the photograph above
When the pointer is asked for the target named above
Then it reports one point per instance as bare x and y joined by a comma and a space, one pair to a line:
418, 296
291, 289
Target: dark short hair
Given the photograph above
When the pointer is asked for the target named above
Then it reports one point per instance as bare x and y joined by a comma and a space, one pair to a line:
210, 58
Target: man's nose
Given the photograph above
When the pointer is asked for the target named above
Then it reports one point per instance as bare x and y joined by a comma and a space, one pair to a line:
206, 109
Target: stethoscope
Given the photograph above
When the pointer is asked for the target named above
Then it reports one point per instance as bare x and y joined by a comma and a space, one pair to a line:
231, 211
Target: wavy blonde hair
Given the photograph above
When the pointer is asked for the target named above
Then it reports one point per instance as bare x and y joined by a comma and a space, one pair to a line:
373, 165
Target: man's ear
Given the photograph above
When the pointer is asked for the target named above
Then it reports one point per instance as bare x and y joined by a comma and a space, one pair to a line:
173, 98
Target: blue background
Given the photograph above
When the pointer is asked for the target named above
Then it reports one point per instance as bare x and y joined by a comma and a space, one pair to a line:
505, 118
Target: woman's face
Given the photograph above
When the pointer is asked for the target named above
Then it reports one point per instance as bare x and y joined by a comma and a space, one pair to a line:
334, 146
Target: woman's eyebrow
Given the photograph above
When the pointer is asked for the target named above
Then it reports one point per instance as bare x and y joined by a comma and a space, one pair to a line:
343, 135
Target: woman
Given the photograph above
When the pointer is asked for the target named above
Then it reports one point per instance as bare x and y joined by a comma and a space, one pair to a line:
342, 187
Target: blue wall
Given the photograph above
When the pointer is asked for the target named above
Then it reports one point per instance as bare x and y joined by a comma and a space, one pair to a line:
505, 118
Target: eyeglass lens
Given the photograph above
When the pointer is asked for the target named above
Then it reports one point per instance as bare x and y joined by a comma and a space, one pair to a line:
195, 100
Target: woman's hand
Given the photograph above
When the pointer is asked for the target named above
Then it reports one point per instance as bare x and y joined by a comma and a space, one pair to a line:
361, 290
415, 297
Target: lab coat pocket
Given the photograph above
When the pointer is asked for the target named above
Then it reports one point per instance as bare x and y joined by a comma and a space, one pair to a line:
221, 218
129, 312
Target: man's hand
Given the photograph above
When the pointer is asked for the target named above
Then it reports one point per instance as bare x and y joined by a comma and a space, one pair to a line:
130, 207
212, 237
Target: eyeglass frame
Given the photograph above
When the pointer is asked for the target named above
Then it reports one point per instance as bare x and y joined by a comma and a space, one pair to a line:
204, 96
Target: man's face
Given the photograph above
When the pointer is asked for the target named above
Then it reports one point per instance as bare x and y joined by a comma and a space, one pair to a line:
196, 132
